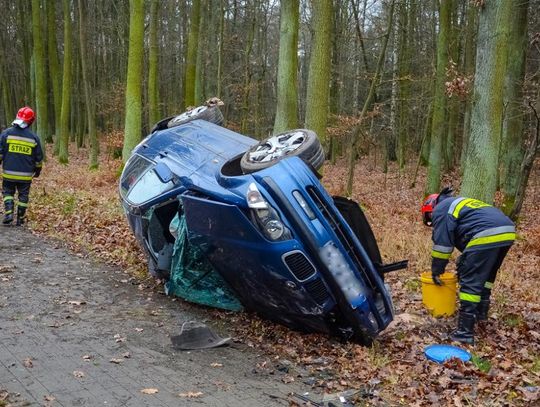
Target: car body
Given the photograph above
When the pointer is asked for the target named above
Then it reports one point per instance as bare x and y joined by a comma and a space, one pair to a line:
289, 251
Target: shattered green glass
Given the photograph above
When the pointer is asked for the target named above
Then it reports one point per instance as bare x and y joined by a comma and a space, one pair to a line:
192, 276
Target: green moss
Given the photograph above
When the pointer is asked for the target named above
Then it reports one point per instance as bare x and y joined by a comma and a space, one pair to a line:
483, 365
512, 320
413, 285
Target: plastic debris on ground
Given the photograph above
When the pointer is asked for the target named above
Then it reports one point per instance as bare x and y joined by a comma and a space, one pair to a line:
441, 353
196, 335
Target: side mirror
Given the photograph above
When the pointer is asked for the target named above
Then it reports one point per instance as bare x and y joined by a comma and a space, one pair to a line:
163, 172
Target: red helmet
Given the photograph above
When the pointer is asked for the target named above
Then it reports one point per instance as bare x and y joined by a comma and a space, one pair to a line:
25, 117
428, 207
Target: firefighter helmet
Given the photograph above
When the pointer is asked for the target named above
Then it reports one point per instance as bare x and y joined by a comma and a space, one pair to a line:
25, 117
427, 209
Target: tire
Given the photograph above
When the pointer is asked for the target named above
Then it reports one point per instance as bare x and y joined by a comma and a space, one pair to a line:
300, 142
211, 114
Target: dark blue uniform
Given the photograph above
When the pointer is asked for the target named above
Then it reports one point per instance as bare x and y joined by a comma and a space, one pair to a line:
22, 158
482, 233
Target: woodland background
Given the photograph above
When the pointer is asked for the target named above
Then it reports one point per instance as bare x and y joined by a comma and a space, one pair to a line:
406, 96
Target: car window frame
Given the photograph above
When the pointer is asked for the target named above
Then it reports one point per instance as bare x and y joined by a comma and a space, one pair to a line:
149, 169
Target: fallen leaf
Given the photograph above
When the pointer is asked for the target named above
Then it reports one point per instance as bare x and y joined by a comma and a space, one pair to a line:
78, 374
118, 338
126, 355
73, 302
287, 379
139, 329
216, 364
191, 394
48, 400
6, 269
149, 391
116, 361
87, 357
28, 363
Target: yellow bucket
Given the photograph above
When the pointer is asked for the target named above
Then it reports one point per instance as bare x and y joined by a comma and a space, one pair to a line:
439, 300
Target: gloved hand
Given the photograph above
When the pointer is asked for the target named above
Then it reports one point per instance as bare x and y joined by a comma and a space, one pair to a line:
436, 279
37, 172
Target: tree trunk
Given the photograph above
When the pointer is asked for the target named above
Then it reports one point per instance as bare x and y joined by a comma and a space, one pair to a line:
63, 137
481, 164
54, 65
469, 63
287, 91
403, 62
88, 92
375, 81
202, 44
318, 92
528, 161
153, 80
513, 134
191, 57
40, 69
133, 125
246, 86
439, 100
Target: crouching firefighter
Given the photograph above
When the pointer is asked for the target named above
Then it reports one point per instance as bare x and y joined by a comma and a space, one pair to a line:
484, 235
21, 156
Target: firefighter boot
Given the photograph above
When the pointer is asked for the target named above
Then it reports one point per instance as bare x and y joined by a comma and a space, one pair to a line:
21, 215
8, 212
482, 310
465, 330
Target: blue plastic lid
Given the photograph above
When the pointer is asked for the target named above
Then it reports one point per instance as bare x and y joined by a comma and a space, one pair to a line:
441, 353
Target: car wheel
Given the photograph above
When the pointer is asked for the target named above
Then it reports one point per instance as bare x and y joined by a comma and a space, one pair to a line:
300, 142
211, 114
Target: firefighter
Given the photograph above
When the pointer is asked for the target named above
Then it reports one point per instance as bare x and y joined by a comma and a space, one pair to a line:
21, 156
484, 235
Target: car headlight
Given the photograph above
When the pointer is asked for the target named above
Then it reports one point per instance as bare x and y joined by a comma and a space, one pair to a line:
265, 216
344, 275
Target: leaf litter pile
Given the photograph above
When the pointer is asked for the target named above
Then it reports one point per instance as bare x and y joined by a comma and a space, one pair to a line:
81, 208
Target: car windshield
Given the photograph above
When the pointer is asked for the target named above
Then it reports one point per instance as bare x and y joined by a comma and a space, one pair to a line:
147, 187
135, 166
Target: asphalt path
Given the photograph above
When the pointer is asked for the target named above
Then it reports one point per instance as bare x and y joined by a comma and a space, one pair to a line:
76, 332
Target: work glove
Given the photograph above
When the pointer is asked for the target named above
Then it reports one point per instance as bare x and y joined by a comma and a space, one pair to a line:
37, 172
436, 279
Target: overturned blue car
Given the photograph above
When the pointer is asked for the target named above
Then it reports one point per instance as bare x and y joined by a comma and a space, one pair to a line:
233, 222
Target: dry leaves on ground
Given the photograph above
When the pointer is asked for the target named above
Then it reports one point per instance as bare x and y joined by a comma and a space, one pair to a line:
150, 391
191, 394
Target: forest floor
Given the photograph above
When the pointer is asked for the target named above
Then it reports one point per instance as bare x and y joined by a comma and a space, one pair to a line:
81, 209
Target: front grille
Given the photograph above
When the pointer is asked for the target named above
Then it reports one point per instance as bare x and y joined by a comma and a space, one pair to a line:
342, 234
299, 265
317, 290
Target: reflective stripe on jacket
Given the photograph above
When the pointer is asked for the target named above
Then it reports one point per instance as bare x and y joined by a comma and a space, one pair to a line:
467, 224
21, 153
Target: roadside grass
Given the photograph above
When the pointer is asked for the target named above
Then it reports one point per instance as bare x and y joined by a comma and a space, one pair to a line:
81, 209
